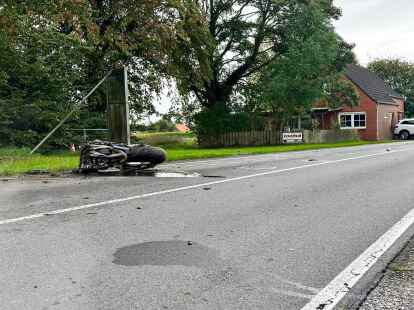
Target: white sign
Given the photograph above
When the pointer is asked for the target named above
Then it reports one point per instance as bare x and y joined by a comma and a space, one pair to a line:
292, 137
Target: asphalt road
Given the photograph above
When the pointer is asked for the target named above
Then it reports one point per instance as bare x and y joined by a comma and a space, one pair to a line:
254, 232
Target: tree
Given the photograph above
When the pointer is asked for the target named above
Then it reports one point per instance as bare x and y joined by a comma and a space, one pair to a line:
248, 36
39, 67
150, 36
163, 124
399, 74
309, 71
53, 52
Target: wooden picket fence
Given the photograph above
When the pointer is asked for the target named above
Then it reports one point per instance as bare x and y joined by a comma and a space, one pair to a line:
245, 138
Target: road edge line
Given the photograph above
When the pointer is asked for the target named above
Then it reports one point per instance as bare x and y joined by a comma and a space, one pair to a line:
343, 288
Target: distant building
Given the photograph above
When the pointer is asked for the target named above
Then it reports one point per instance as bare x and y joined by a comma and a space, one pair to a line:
379, 108
182, 128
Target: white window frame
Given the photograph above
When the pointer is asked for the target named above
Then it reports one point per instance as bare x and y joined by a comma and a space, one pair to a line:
352, 120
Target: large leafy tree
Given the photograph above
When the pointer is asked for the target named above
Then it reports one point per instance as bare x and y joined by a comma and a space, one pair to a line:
40, 69
399, 74
150, 36
52, 52
249, 35
309, 71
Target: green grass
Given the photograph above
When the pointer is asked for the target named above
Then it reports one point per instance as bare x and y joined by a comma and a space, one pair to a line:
7, 152
194, 153
14, 161
400, 268
166, 139
146, 134
17, 161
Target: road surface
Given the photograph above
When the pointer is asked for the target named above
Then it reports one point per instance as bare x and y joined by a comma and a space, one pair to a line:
253, 232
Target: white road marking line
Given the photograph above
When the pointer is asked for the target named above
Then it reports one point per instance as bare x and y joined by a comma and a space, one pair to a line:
179, 189
258, 168
197, 164
235, 158
333, 293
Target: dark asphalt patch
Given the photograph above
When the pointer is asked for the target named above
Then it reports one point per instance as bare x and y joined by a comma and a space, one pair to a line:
167, 253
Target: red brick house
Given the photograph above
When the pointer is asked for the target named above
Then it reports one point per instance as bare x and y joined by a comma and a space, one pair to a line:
379, 108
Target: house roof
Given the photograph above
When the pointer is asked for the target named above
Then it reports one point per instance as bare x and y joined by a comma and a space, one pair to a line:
372, 84
182, 128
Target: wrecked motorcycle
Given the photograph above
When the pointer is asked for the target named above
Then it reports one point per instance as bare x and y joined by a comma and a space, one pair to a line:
103, 156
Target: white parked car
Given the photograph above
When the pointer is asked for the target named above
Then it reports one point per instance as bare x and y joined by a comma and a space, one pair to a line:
404, 128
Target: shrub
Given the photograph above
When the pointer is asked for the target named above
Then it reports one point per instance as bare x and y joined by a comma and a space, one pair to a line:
218, 120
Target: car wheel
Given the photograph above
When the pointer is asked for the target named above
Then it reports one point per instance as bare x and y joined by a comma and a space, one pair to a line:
404, 135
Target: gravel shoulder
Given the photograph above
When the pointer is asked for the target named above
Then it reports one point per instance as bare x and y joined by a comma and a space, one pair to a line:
396, 289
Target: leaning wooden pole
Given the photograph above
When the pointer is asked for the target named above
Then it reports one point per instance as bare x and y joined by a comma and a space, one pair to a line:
70, 113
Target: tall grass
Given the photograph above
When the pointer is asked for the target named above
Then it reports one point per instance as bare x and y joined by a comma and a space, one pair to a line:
167, 139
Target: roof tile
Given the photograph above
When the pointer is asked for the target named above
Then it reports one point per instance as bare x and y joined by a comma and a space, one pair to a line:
372, 84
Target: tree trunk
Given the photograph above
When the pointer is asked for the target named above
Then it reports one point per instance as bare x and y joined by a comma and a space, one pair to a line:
217, 94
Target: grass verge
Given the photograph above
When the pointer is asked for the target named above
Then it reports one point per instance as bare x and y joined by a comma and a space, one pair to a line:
17, 161
194, 153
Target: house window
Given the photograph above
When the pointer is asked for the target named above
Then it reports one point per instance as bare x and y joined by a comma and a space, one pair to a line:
346, 121
353, 120
359, 121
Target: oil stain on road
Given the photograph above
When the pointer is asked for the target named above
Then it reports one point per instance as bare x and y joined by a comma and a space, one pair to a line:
168, 253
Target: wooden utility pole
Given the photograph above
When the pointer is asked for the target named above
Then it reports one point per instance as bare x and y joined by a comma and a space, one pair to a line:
118, 106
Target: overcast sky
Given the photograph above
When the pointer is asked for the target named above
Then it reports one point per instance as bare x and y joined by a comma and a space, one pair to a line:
379, 28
